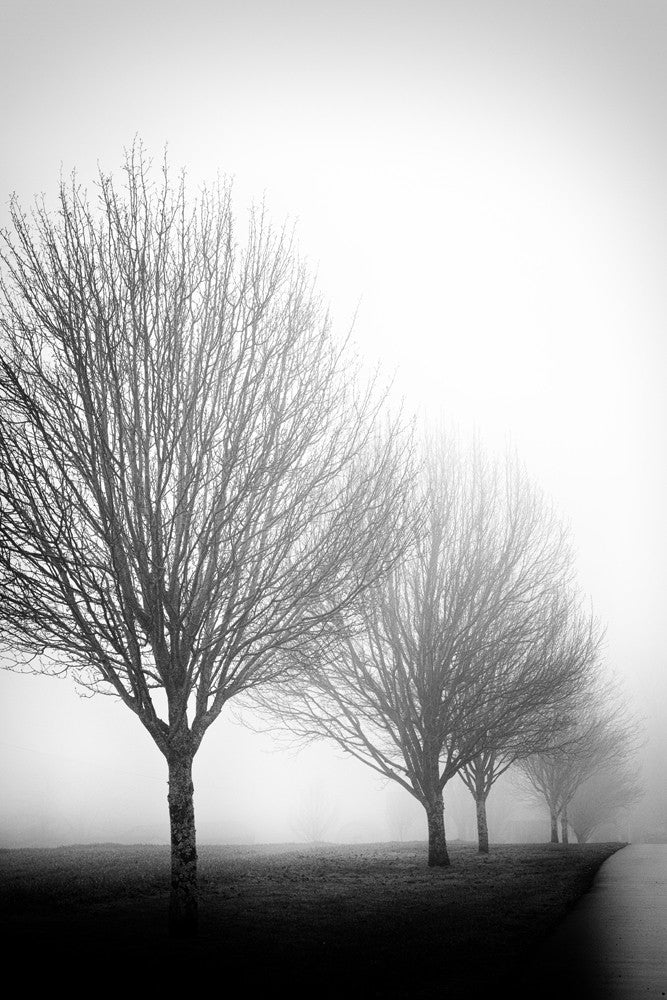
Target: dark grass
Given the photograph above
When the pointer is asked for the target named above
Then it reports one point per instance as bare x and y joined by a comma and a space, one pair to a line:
335, 920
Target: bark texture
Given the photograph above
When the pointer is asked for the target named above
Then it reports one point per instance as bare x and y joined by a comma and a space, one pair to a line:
564, 827
482, 826
183, 911
438, 855
554, 827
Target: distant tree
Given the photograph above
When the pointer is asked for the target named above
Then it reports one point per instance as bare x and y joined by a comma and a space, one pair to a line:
400, 813
314, 817
602, 799
542, 776
602, 734
569, 649
190, 478
459, 816
479, 775
453, 650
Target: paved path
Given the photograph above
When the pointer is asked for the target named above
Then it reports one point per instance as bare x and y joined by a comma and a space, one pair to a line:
613, 945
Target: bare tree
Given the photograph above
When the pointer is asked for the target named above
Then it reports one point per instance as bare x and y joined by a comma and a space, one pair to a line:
569, 647
543, 776
602, 734
479, 776
602, 799
453, 650
315, 816
399, 813
190, 478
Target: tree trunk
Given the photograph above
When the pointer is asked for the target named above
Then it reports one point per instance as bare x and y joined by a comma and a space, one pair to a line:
438, 856
183, 916
563, 826
482, 826
554, 827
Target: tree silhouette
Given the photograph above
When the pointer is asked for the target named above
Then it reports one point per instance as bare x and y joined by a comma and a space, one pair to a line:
191, 478
570, 650
602, 734
459, 648
601, 799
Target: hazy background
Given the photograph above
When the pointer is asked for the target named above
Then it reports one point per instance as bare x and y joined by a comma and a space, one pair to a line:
487, 181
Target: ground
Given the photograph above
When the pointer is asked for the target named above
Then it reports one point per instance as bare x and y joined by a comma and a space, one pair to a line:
367, 920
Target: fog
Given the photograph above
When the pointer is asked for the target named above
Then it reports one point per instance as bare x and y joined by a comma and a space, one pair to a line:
483, 184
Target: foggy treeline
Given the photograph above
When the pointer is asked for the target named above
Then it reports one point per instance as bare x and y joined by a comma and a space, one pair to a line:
204, 498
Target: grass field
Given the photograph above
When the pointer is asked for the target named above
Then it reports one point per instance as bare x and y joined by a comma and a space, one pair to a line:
367, 920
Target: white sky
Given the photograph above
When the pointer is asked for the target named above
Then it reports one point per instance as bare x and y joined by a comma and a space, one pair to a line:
488, 179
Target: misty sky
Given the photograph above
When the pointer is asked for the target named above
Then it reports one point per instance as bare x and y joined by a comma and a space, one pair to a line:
485, 181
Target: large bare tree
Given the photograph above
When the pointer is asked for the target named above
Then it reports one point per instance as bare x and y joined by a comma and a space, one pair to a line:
455, 649
191, 479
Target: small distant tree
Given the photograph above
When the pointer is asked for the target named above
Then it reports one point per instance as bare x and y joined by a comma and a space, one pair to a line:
479, 777
601, 799
449, 653
400, 813
314, 817
601, 735
191, 479
540, 776
569, 650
